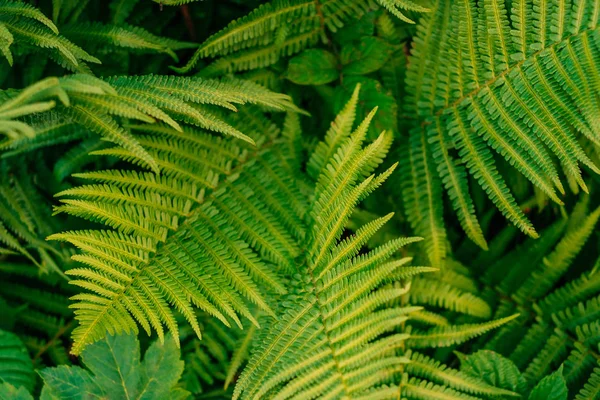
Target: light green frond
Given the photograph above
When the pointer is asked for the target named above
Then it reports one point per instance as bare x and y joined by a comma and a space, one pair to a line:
124, 36
58, 47
108, 128
440, 294
206, 243
99, 106
339, 131
556, 263
394, 7
592, 387
15, 8
339, 331
7, 39
420, 389
422, 196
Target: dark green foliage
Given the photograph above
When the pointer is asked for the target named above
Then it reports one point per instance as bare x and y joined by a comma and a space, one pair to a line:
299, 199
16, 368
551, 282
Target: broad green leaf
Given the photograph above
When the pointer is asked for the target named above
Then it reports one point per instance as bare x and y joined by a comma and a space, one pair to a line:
552, 387
366, 56
115, 362
9, 392
313, 67
161, 369
493, 369
115, 372
73, 383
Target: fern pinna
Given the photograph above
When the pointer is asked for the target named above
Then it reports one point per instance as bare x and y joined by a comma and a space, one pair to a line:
519, 80
98, 105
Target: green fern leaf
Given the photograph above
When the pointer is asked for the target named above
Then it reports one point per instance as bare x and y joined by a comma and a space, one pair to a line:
497, 87
175, 220
282, 28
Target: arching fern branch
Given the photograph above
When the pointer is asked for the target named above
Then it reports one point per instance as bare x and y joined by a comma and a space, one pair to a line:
203, 233
100, 106
26, 28
282, 28
25, 220
104, 38
22, 24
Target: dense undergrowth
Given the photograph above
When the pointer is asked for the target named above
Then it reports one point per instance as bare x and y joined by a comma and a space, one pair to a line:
299, 199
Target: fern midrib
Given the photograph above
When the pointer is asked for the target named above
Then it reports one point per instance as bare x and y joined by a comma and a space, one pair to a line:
319, 11
437, 242
330, 343
489, 83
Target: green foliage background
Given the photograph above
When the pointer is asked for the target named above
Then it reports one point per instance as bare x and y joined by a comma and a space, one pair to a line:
363, 199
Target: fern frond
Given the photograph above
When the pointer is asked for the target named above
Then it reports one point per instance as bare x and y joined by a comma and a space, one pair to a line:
25, 220
340, 328
449, 335
440, 294
18, 9
174, 232
16, 18
514, 90
422, 194
559, 312
335, 298
92, 104
425, 367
